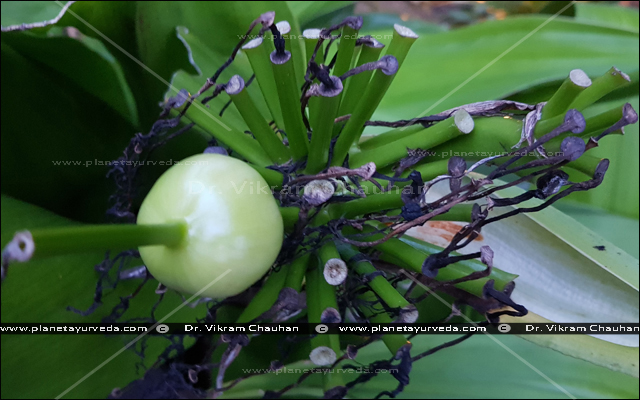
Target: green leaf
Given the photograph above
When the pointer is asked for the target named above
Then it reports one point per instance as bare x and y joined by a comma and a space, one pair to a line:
309, 12
481, 367
40, 291
608, 15
29, 12
563, 275
81, 59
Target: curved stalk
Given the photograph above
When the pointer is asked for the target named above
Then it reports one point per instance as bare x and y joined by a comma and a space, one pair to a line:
607, 83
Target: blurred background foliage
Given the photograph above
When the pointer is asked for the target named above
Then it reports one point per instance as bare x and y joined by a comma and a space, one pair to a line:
78, 90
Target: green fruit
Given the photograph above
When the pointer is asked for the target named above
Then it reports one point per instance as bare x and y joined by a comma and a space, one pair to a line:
235, 229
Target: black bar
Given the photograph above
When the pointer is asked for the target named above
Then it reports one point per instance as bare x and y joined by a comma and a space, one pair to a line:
314, 329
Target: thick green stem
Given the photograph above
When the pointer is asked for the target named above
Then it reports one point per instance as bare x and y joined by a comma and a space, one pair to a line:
284, 74
269, 141
410, 253
320, 296
390, 136
607, 83
402, 40
289, 217
322, 130
258, 54
241, 143
460, 123
266, 297
296, 273
377, 316
311, 38
50, 242
357, 84
343, 61
379, 284
289, 44
558, 104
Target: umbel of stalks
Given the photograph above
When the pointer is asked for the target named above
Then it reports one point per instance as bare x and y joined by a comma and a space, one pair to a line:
305, 221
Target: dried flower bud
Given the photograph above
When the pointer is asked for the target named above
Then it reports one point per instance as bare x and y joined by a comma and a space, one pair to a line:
408, 314
330, 316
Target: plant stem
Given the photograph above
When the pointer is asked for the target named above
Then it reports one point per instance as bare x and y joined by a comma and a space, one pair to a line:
48, 242
390, 136
296, 273
558, 104
402, 40
289, 217
284, 27
411, 253
357, 84
322, 131
379, 284
607, 83
311, 38
258, 54
269, 141
289, 95
239, 142
273, 178
377, 316
320, 296
266, 297
460, 123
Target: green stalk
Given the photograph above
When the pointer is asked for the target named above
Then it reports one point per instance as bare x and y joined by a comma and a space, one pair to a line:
239, 142
266, 297
607, 83
273, 178
321, 295
460, 123
323, 128
48, 242
402, 40
284, 73
285, 30
269, 141
390, 136
296, 273
311, 38
376, 315
289, 217
558, 104
258, 54
379, 284
357, 84
343, 61
410, 253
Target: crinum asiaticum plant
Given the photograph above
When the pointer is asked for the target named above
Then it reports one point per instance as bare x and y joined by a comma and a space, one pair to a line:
209, 228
